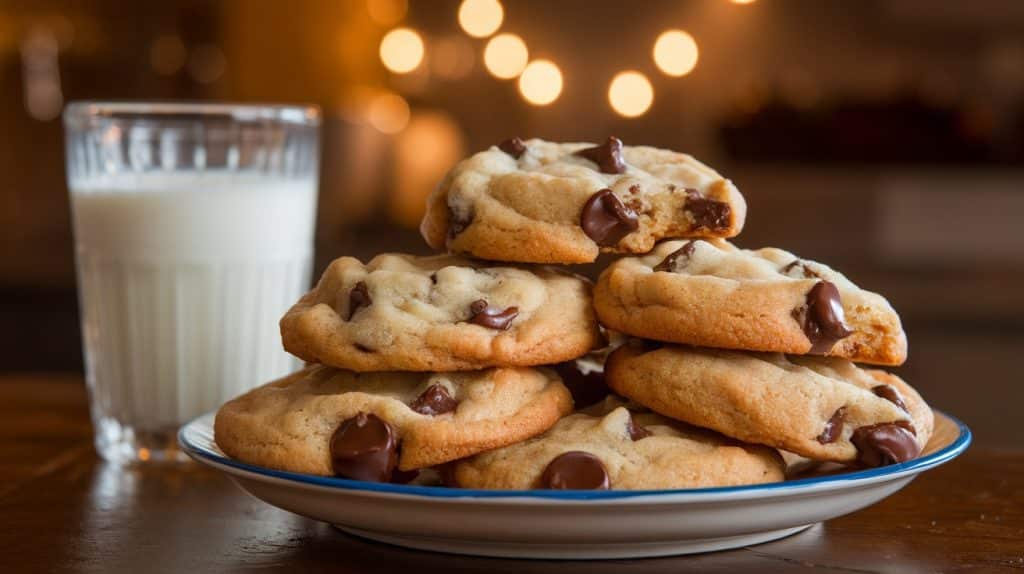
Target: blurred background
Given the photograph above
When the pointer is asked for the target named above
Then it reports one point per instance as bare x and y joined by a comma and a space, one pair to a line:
884, 137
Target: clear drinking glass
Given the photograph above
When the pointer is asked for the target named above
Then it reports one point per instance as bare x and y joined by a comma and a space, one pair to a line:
193, 234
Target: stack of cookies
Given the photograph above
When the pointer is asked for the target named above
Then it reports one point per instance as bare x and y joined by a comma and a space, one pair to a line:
480, 368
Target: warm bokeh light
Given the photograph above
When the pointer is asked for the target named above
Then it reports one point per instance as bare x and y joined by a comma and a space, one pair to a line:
505, 56
451, 57
207, 63
675, 53
388, 112
480, 18
541, 82
743, 1
630, 94
401, 50
424, 151
387, 12
167, 54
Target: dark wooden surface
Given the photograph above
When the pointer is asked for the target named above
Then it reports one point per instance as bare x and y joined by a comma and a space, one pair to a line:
63, 510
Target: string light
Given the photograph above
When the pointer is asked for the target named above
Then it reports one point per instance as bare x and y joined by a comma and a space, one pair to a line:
505, 56
630, 94
388, 112
480, 18
675, 53
401, 50
541, 82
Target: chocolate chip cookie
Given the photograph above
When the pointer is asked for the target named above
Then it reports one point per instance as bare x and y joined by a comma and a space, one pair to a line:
610, 447
375, 426
441, 313
713, 294
545, 202
817, 407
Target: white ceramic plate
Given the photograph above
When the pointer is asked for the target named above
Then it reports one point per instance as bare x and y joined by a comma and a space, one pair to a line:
573, 524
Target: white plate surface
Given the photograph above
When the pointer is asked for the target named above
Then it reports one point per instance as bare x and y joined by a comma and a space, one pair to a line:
573, 524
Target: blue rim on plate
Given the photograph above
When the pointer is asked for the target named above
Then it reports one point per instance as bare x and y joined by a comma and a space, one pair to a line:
914, 466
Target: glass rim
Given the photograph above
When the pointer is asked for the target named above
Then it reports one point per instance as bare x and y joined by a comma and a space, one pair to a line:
82, 113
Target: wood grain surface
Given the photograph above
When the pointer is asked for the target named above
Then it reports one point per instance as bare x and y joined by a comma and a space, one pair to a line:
64, 510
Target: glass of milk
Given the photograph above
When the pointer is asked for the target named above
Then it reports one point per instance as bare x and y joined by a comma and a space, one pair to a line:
193, 235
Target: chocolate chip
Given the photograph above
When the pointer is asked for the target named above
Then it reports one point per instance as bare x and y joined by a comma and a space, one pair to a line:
907, 425
606, 220
884, 443
805, 270
822, 318
514, 147
586, 389
607, 156
707, 214
364, 447
636, 430
434, 401
634, 203
671, 261
457, 223
575, 470
486, 316
889, 393
358, 298
834, 427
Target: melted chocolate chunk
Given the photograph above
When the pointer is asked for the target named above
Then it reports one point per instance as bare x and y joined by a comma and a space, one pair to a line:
607, 156
485, 316
575, 470
822, 318
586, 389
834, 427
889, 393
514, 147
671, 261
364, 447
434, 401
457, 224
358, 298
806, 271
884, 443
708, 214
606, 220
636, 430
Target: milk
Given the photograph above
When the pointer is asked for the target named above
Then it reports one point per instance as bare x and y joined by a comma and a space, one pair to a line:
182, 280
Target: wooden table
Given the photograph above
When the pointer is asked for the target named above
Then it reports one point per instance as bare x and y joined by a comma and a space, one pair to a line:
62, 509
